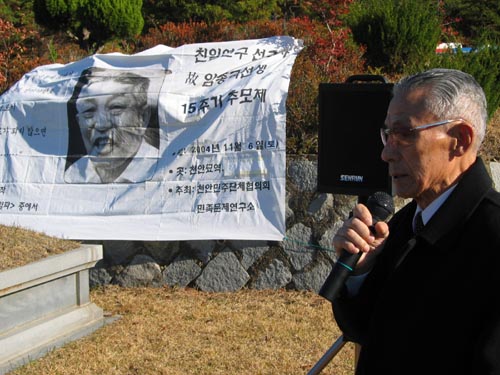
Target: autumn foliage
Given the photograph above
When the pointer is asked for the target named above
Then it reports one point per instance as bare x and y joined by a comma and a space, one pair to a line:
18, 52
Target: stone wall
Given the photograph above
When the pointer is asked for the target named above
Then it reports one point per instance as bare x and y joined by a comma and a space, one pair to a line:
302, 261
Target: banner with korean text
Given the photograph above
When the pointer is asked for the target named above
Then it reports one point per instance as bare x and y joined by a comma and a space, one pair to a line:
183, 143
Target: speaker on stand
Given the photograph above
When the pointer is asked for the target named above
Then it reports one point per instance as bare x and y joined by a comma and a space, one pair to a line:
349, 146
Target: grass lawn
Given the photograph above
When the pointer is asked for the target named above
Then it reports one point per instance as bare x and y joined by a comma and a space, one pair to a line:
184, 331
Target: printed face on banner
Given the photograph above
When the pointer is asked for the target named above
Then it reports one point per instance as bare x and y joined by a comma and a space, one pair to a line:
113, 124
116, 123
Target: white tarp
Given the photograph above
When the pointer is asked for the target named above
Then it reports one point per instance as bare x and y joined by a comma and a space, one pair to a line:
167, 144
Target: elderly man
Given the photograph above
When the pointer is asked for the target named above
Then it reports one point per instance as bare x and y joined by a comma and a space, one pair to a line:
117, 128
424, 295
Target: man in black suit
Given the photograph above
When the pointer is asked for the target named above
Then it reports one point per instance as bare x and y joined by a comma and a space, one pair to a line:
426, 300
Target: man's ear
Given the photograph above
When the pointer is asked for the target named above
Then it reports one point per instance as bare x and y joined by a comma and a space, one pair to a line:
463, 135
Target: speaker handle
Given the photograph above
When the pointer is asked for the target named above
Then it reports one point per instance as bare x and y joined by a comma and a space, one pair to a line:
366, 78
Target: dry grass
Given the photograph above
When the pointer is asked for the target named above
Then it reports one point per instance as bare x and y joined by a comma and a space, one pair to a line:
183, 331
20, 246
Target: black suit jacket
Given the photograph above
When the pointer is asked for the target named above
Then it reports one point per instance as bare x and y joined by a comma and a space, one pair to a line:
431, 303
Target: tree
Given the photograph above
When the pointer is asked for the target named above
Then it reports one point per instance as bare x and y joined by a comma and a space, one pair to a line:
483, 64
159, 12
475, 18
9, 9
92, 22
396, 33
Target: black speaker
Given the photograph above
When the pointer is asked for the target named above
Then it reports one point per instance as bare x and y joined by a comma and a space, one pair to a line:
349, 145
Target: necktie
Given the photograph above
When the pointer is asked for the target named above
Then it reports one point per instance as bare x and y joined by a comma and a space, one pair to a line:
418, 223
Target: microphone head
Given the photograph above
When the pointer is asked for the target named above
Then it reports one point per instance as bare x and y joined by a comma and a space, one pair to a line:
381, 205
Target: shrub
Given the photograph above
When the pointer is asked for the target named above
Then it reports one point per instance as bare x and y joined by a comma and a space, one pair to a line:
328, 56
483, 63
17, 44
396, 33
92, 22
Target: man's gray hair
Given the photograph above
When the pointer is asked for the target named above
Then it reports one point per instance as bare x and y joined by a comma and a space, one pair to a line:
450, 94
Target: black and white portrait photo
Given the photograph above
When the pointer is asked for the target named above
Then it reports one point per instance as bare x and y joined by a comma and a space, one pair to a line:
113, 127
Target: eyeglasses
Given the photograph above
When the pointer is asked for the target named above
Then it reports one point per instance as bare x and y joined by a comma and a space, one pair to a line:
405, 136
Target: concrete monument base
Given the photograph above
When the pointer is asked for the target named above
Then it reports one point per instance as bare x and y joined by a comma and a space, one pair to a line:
46, 304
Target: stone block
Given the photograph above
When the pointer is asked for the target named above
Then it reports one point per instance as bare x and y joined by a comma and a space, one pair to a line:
224, 273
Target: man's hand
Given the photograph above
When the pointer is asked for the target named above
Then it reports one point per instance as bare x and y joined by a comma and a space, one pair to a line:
357, 234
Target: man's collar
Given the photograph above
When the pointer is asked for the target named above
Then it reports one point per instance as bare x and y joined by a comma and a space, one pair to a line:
431, 209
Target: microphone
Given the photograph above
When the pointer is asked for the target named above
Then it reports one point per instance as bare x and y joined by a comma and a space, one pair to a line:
381, 206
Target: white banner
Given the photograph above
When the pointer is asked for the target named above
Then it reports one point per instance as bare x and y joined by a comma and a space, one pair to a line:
167, 144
